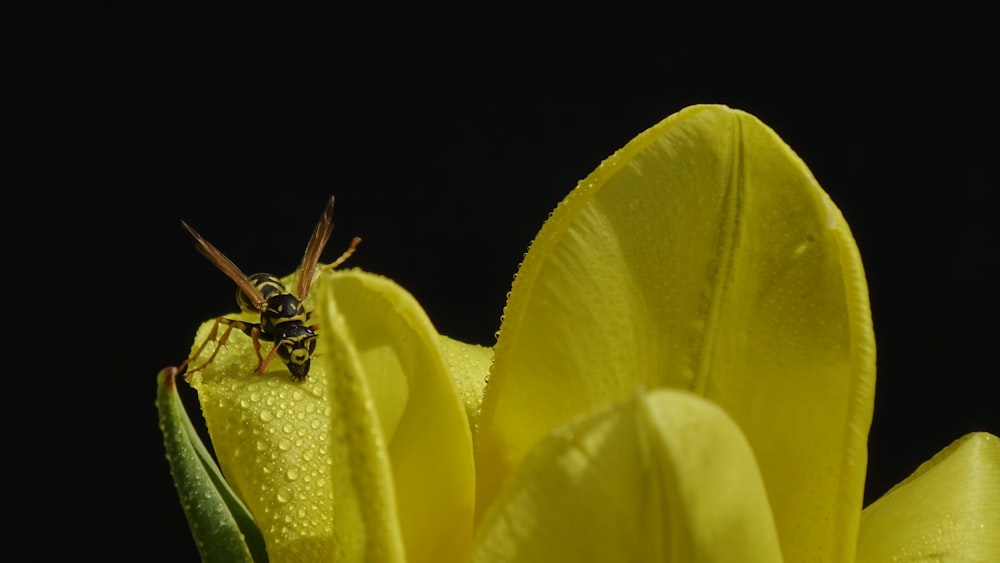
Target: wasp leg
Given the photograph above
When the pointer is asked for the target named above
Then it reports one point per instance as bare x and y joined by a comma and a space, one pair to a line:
250, 329
262, 365
211, 337
255, 337
304, 290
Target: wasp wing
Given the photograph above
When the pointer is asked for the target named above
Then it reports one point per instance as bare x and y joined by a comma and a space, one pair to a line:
226, 265
321, 234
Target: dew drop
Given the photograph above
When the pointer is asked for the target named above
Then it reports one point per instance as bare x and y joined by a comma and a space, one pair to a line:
292, 474
800, 250
266, 415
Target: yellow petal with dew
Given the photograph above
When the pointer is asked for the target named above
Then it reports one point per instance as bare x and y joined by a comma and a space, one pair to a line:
423, 419
307, 458
312, 459
666, 476
703, 256
469, 365
948, 510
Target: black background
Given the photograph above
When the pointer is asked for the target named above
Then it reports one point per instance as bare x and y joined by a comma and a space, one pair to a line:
447, 136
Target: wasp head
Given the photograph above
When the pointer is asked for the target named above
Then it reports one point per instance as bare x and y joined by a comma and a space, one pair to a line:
296, 344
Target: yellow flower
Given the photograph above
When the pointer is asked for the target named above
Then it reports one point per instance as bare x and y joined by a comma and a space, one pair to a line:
685, 372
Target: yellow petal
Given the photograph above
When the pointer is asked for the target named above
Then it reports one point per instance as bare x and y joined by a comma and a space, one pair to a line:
664, 477
469, 365
312, 459
423, 419
704, 256
308, 459
948, 510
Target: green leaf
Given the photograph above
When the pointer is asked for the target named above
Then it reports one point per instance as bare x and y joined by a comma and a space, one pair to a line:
222, 527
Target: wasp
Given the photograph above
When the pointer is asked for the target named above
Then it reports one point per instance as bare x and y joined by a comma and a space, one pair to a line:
283, 315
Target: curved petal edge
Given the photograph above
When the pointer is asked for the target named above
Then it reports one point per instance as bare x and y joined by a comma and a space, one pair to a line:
947, 510
666, 476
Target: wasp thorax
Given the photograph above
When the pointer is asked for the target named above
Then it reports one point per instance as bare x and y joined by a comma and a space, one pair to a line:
281, 309
268, 286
